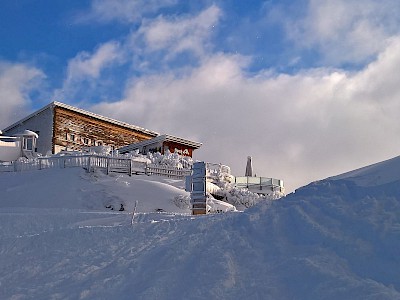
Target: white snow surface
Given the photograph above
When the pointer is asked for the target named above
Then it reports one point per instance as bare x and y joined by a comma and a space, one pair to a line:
337, 238
73, 188
377, 174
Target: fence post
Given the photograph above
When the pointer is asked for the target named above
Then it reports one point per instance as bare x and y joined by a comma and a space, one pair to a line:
88, 164
108, 165
40, 164
130, 167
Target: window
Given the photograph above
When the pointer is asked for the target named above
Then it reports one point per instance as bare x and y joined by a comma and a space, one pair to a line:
28, 144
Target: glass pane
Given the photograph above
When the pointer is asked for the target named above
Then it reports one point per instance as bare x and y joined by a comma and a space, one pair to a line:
241, 180
254, 180
266, 181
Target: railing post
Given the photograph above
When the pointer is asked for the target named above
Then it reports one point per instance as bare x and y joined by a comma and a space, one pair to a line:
89, 164
108, 165
130, 167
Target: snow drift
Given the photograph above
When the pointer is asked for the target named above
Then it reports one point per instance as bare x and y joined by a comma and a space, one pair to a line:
337, 238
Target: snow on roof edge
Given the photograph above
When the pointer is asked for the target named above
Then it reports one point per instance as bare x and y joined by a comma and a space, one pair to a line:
164, 137
85, 112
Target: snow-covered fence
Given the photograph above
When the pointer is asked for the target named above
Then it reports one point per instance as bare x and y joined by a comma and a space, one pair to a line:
90, 162
61, 161
167, 171
109, 163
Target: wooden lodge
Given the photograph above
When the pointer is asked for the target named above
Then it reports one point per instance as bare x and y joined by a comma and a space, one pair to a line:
62, 127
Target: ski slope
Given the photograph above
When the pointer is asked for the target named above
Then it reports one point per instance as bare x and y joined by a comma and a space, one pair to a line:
337, 238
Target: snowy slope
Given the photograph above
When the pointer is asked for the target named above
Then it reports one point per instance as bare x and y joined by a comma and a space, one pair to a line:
377, 174
338, 238
74, 188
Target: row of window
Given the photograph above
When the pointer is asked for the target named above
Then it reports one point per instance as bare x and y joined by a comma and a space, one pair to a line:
72, 137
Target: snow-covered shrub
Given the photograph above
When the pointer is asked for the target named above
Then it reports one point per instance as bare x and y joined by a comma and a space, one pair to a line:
241, 198
170, 159
182, 201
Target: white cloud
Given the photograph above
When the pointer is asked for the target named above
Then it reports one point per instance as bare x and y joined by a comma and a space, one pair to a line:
346, 30
90, 65
17, 81
168, 36
87, 67
299, 127
179, 34
123, 10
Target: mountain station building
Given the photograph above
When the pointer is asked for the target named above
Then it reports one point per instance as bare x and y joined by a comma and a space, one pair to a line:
63, 127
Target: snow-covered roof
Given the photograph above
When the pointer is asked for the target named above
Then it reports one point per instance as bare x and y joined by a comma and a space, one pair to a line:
161, 139
86, 113
27, 133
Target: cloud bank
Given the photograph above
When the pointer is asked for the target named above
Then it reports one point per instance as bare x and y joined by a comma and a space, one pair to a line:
17, 81
299, 126
344, 31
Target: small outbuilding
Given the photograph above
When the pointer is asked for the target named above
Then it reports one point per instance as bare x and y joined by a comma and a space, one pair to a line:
162, 144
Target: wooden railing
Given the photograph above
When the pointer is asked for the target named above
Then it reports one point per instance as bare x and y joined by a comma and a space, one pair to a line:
92, 162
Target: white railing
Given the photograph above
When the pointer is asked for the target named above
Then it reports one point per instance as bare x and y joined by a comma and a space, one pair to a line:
167, 171
91, 162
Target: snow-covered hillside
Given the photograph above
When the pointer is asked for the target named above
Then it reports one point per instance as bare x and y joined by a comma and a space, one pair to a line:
337, 238
73, 188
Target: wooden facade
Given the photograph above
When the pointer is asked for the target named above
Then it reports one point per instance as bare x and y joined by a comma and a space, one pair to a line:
73, 131
64, 127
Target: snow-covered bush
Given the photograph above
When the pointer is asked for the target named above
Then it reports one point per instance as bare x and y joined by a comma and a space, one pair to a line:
242, 197
168, 159
182, 201
171, 160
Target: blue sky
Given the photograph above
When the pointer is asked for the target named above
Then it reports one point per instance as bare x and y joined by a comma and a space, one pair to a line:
308, 88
